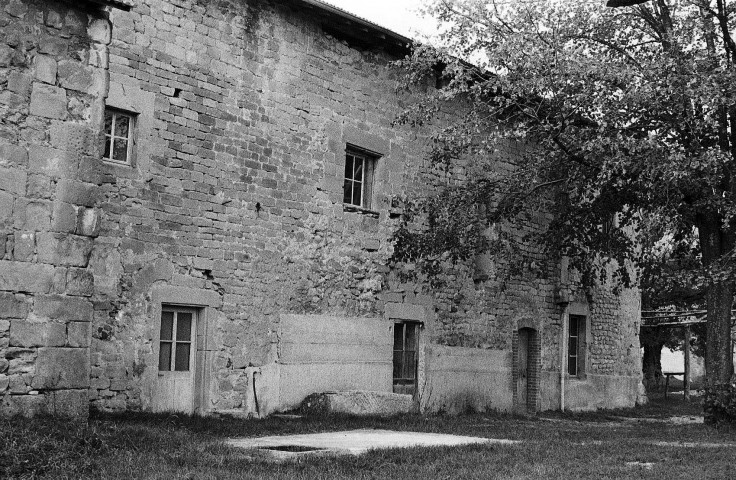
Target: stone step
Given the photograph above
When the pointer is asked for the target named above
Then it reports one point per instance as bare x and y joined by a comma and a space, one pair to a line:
358, 402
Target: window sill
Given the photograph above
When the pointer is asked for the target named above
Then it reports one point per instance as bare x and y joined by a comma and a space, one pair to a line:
116, 163
360, 210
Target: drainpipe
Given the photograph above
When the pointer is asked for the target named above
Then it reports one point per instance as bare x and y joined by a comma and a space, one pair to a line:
563, 300
563, 350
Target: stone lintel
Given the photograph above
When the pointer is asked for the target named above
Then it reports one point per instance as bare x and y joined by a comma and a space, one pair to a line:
404, 311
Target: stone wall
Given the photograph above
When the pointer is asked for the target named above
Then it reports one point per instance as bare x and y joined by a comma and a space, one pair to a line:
244, 110
53, 58
237, 186
232, 205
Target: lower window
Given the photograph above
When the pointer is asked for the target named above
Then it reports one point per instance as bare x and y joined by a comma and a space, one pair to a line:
576, 345
175, 344
406, 341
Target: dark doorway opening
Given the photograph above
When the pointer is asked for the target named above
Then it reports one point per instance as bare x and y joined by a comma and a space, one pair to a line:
527, 369
406, 342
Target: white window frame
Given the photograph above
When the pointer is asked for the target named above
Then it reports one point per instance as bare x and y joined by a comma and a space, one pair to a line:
112, 137
577, 358
175, 343
368, 162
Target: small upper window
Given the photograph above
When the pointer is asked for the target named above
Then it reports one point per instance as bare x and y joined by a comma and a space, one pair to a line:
358, 186
118, 136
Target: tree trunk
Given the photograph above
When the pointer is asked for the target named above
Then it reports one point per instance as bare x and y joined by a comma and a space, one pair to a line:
718, 347
686, 351
719, 298
652, 363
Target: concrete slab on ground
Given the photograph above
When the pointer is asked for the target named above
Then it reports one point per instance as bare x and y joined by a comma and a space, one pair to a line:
356, 442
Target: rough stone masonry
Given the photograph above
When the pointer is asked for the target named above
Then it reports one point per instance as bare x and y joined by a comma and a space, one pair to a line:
230, 206
53, 80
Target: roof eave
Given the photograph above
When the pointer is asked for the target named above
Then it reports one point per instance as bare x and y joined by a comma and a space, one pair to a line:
382, 34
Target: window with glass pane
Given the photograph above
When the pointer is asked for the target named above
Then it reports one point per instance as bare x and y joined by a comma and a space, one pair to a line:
406, 336
575, 345
118, 136
358, 186
175, 346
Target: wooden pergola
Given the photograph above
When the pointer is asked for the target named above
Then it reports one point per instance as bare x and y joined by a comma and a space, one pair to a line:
678, 319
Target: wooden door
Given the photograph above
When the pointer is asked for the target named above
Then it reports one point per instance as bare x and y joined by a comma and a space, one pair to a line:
406, 345
522, 382
174, 390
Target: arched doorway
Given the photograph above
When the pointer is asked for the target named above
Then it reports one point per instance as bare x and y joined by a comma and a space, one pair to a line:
526, 369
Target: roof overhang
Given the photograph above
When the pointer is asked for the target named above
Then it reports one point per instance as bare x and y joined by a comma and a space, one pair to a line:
359, 29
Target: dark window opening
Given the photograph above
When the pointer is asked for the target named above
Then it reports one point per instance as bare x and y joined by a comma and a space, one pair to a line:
406, 341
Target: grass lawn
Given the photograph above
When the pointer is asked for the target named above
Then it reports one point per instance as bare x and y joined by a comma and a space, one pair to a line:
555, 445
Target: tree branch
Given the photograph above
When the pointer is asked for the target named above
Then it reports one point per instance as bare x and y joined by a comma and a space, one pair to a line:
728, 42
566, 150
613, 47
546, 184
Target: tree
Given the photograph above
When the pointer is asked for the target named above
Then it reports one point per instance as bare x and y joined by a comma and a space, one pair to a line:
667, 286
627, 111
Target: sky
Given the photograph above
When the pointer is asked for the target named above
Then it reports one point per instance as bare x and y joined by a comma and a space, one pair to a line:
401, 16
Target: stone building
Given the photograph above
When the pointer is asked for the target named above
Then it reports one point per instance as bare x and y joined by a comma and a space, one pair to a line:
196, 204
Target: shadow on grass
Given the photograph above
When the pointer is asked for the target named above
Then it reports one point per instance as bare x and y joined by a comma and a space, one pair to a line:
657, 407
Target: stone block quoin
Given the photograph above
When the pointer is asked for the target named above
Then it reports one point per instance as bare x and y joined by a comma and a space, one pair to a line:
53, 59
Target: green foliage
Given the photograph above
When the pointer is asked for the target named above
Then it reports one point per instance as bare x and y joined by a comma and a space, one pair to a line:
442, 228
619, 112
626, 112
669, 266
720, 404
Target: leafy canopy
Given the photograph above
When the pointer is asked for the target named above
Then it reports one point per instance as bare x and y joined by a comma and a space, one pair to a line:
627, 112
